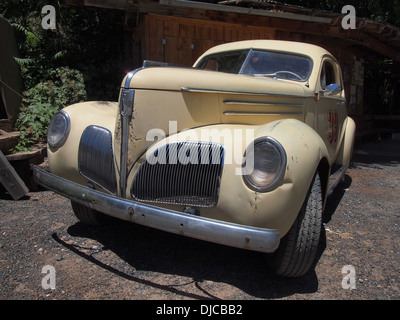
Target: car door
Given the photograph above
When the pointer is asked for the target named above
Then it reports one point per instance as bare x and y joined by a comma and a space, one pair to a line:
331, 110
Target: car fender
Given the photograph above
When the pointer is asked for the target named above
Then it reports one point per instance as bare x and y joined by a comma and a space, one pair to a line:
305, 151
346, 149
237, 203
64, 160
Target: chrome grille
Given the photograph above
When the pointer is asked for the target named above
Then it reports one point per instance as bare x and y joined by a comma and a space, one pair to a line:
95, 157
183, 173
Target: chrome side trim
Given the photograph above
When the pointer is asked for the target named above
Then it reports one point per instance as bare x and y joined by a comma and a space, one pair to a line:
225, 233
206, 90
261, 103
240, 113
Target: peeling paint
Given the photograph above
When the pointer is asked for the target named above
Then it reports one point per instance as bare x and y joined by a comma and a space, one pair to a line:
247, 242
255, 202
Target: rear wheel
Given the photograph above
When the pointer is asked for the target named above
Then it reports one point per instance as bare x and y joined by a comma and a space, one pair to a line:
87, 215
298, 248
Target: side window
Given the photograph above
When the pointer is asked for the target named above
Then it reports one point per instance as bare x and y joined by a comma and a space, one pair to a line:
329, 77
211, 64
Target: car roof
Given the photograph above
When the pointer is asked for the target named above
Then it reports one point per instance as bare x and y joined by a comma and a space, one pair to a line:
311, 50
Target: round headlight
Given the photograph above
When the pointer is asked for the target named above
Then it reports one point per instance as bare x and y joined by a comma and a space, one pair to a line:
58, 130
264, 166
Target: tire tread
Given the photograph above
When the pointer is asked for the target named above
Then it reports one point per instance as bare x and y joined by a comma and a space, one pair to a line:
299, 247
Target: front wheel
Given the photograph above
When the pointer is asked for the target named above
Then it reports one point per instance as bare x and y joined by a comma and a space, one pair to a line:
298, 248
87, 215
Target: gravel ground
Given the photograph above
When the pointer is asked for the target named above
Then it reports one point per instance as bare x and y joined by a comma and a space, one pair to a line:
40, 236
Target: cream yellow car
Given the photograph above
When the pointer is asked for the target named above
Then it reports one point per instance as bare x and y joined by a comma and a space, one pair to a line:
242, 149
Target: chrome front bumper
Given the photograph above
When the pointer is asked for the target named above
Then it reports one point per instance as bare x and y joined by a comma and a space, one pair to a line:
230, 234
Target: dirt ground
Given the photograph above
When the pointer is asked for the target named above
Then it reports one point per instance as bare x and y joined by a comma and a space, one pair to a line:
359, 256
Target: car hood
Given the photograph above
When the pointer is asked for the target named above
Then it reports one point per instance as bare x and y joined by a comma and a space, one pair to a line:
178, 79
168, 100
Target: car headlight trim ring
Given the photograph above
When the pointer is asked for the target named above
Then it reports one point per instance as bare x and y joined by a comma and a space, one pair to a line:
58, 130
269, 163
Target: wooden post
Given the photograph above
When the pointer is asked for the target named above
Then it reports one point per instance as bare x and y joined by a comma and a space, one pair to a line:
10, 179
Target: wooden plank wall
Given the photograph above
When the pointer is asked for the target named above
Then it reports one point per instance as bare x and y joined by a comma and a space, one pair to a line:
180, 41
351, 62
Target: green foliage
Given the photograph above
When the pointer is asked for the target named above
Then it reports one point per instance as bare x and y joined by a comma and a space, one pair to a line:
81, 59
31, 38
42, 101
90, 40
49, 89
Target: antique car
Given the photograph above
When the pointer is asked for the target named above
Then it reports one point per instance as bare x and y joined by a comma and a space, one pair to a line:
242, 149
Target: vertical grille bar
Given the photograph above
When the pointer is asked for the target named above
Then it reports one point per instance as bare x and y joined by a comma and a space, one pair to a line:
126, 109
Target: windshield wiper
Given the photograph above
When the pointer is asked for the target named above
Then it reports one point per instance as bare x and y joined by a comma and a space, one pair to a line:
275, 75
272, 75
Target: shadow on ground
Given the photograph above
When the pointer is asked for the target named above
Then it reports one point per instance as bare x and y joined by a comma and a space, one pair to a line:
146, 249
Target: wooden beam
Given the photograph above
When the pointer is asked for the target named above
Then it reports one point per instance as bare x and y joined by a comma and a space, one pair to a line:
370, 42
75, 2
5, 124
242, 10
328, 28
107, 4
10, 179
8, 140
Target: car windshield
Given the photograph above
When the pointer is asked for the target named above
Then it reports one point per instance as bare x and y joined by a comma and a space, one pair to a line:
260, 63
230, 62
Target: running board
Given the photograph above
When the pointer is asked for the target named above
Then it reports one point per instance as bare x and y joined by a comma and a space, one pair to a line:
335, 179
